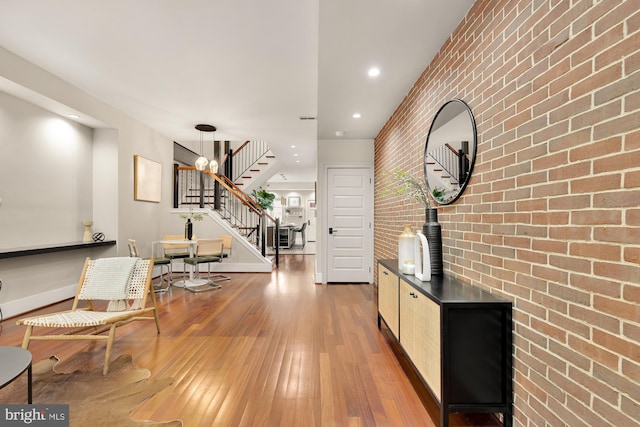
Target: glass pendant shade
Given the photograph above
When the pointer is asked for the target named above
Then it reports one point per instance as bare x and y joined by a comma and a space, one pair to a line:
201, 163
213, 166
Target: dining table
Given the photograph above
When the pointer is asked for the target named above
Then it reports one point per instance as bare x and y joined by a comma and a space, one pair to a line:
192, 281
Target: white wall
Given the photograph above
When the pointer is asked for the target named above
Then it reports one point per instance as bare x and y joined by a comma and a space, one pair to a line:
45, 175
46, 187
80, 176
335, 152
82, 173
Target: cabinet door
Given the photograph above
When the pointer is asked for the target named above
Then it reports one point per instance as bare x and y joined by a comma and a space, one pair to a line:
408, 321
428, 354
420, 335
388, 298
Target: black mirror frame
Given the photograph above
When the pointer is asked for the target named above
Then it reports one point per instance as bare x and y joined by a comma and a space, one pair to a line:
473, 157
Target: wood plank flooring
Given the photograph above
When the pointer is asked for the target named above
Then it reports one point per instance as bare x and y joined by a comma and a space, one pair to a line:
268, 349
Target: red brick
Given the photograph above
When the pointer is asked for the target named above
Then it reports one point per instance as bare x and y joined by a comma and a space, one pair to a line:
620, 309
602, 183
577, 169
553, 218
620, 50
617, 199
616, 89
535, 217
549, 246
622, 235
631, 102
631, 293
570, 233
570, 264
588, 316
595, 386
568, 108
570, 202
573, 139
632, 255
602, 41
593, 352
616, 381
596, 149
596, 115
623, 124
596, 217
595, 250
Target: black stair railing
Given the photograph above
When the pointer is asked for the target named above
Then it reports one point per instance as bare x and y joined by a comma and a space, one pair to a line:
454, 162
245, 158
217, 192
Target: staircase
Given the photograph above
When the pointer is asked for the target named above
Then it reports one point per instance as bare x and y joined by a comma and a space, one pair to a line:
229, 198
447, 168
252, 163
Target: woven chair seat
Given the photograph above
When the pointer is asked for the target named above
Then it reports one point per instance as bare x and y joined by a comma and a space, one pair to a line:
101, 284
76, 318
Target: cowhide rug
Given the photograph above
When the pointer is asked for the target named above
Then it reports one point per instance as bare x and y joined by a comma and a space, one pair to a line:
94, 399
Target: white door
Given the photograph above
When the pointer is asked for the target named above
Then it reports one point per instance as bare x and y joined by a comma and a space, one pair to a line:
349, 218
311, 222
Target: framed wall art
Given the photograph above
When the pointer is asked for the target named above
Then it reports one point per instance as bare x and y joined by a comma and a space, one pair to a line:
293, 201
147, 180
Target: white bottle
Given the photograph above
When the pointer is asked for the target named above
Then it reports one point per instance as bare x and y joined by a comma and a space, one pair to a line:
405, 246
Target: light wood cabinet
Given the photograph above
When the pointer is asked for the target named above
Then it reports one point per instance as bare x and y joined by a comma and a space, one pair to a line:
388, 307
457, 336
420, 334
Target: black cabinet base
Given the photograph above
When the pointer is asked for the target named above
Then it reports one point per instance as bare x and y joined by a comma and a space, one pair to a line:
476, 339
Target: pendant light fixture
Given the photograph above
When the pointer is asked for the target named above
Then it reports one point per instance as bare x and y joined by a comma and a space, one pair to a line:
213, 166
202, 162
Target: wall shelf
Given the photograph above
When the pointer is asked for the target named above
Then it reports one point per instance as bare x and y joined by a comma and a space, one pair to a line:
55, 247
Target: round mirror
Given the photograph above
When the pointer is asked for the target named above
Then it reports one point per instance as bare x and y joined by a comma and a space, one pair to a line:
450, 151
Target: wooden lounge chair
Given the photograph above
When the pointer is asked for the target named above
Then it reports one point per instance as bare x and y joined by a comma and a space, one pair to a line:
124, 285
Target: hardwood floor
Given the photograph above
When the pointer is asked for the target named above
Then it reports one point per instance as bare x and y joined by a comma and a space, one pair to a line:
268, 349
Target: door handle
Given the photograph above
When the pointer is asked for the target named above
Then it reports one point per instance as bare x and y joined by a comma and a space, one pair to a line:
332, 231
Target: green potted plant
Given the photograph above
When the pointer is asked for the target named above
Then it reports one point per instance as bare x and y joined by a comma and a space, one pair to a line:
263, 198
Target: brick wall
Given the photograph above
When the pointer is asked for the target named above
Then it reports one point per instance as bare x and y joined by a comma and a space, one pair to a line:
551, 217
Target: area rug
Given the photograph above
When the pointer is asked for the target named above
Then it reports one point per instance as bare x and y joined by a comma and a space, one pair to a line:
95, 399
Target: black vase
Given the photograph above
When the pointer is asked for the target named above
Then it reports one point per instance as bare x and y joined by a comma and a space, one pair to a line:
188, 229
433, 232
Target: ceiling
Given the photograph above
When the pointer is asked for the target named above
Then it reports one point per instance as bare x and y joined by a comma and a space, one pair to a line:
252, 68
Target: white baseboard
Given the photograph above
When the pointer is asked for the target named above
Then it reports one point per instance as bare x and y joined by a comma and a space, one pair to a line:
32, 302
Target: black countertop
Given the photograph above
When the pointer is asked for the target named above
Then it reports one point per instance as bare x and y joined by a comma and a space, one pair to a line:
445, 289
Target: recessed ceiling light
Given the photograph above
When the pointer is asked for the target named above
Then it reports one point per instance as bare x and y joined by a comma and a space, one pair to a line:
297, 161
356, 115
74, 116
293, 146
374, 72
295, 154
